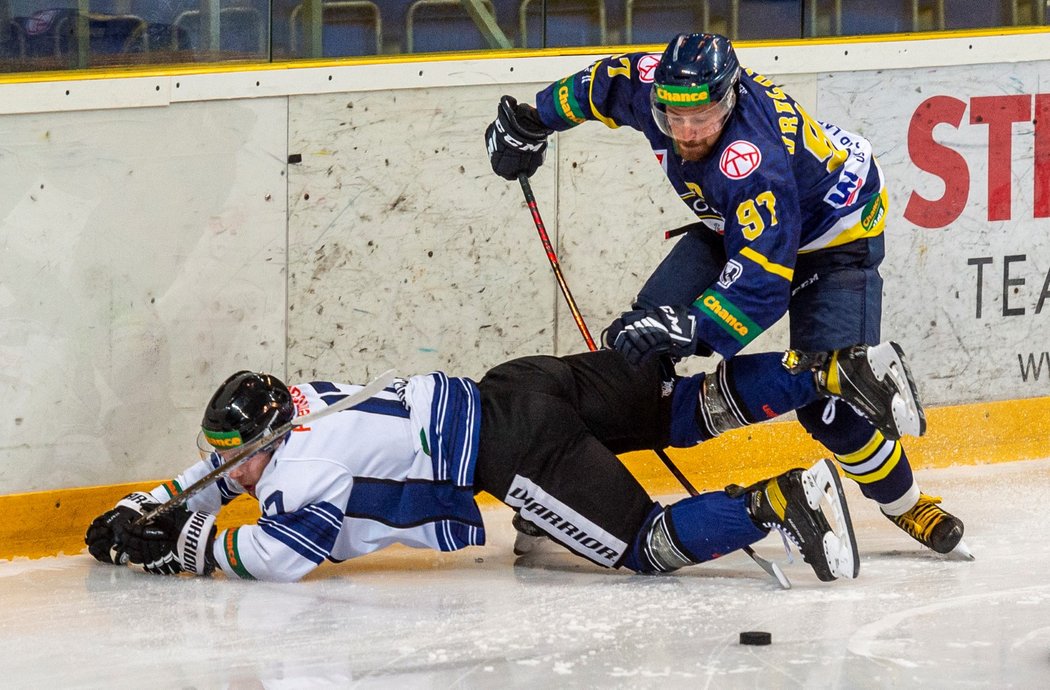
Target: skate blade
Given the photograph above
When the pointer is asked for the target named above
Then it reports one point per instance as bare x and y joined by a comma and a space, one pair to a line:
824, 492
961, 552
887, 359
524, 543
771, 568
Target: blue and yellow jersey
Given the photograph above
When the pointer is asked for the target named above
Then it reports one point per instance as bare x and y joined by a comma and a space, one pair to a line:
778, 183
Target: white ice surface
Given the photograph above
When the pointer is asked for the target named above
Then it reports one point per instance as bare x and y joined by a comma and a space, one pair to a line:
418, 619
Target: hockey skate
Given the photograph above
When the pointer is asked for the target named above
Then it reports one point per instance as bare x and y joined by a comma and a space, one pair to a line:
791, 504
873, 378
934, 527
528, 537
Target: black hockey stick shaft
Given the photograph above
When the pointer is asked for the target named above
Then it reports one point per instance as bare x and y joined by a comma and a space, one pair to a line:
246, 451
530, 200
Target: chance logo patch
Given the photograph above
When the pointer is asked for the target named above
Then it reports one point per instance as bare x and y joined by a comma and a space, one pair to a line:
646, 65
740, 159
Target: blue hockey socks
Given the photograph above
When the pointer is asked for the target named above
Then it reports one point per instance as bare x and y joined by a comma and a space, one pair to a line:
693, 530
743, 390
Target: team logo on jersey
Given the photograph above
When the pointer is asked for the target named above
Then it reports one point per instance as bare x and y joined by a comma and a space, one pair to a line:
589, 72
661, 158
302, 406
872, 214
844, 193
730, 273
646, 66
727, 315
703, 210
740, 159
568, 107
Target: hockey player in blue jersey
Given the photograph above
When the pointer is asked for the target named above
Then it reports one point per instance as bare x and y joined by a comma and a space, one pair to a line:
539, 433
790, 216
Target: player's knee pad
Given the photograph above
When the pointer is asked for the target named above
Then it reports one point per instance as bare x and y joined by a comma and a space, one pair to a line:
704, 406
719, 407
693, 530
656, 549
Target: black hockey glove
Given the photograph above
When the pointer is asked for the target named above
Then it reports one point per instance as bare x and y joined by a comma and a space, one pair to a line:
642, 333
101, 534
176, 542
516, 139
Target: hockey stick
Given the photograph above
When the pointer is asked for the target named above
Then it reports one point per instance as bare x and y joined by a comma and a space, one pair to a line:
246, 451
526, 189
772, 568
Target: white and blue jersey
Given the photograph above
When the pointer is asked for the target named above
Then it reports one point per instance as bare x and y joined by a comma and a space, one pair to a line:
396, 469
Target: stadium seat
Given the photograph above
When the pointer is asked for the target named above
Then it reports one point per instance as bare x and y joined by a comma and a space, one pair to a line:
442, 25
241, 30
348, 27
569, 23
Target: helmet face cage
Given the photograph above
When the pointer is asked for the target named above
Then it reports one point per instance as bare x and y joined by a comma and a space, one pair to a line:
701, 120
696, 77
246, 407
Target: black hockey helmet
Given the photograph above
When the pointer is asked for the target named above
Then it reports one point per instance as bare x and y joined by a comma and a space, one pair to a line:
696, 70
246, 406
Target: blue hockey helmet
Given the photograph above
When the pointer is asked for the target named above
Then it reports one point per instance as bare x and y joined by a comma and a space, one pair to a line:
246, 406
698, 71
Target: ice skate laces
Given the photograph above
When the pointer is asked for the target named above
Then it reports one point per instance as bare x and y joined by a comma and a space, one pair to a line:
920, 521
788, 540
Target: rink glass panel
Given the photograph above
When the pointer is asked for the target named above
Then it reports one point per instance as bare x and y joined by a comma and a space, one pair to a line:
83, 34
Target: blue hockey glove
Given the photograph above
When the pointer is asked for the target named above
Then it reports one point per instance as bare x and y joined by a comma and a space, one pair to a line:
176, 542
666, 330
516, 139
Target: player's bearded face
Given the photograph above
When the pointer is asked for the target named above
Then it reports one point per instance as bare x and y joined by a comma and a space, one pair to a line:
695, 129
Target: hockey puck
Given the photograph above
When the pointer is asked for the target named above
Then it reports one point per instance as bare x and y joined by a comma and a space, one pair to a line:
755, 637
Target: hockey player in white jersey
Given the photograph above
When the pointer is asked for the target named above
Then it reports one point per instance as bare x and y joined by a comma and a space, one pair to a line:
539, 433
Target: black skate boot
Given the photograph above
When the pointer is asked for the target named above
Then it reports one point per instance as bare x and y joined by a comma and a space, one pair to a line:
873, 378
791, 503
933, 527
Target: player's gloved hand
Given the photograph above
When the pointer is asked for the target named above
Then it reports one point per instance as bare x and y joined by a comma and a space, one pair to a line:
642, 333
613, 331
176, 542
516, 139
101, 534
